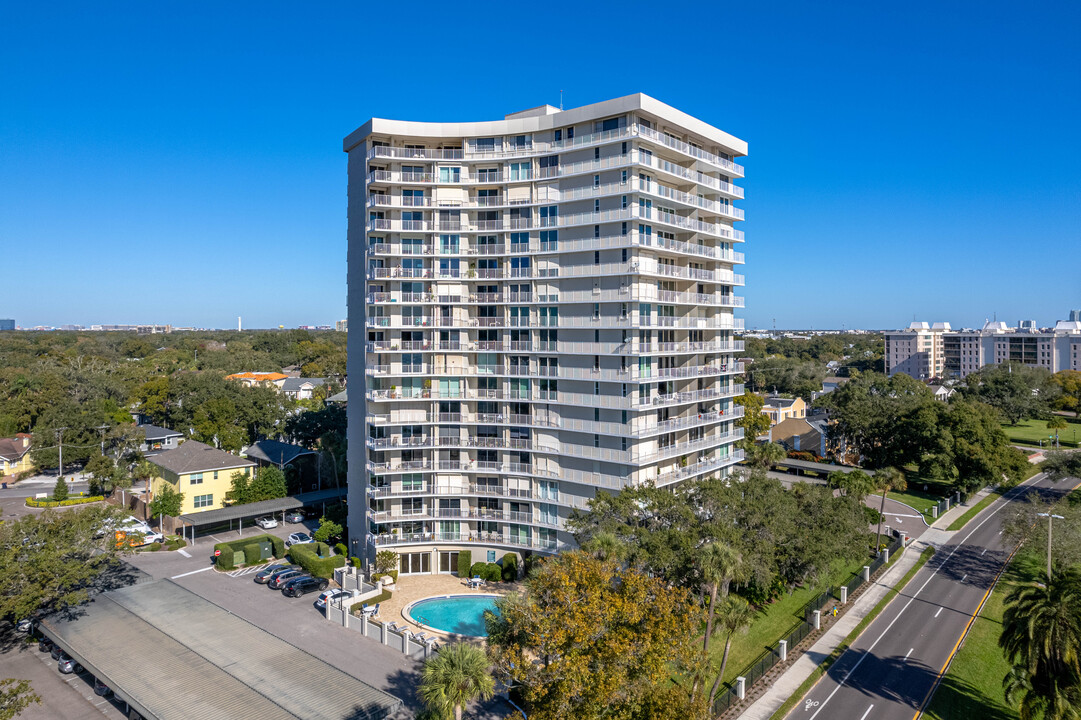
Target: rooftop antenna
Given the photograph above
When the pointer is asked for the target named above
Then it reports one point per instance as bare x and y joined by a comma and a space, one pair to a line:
560, 101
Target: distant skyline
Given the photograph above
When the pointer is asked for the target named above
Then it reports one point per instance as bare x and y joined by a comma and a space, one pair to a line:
184, 165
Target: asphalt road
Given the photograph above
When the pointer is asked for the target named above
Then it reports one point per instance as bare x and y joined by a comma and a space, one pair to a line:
890, 669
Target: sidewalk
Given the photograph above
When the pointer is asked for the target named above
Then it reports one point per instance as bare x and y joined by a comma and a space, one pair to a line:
788, 683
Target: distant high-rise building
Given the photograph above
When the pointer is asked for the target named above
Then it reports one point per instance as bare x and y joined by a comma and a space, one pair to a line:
342, 326
1075, 316
7, 324
926, 352
544, 310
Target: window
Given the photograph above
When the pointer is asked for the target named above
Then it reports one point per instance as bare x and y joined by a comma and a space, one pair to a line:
197, 478
485, 144
415, 563
215, 474
558, 135
596, 206
203, 501
596, 153
450, 174
549, 239
596, 181
521, 171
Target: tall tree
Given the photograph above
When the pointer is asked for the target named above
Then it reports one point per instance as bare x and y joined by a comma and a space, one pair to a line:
268, 484
1041, 637
167, 501
969, 449
1018, 391
327, 530
1069, 383
454, 677
736, 616
1056, 423
754, 422
855, 483
595, 640
763, 455
719, 564
887, 480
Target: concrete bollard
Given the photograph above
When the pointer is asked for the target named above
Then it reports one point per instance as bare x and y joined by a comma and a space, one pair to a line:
782, 648
844, 594
818, 620
886, 555
934, 511
947, 504
741, 687
364, 625
866, 573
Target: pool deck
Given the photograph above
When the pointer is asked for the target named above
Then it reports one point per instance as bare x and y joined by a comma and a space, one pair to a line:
411, 588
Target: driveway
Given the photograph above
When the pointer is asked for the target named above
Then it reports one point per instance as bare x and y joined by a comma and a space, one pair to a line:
13, 498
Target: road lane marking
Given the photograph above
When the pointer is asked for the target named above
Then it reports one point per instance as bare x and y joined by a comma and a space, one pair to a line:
912, 599
174, 577
183, 552
939, 610
909, 653
864, 716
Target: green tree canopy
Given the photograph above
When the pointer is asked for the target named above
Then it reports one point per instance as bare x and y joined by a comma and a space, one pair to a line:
167, 501
754, 422
455, 676
1069, 383
1018, 391
327, 530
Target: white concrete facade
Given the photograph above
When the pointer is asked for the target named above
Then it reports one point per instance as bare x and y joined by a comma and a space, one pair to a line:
542, 307
925, 352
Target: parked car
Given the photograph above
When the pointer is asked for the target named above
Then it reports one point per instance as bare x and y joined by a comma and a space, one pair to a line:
67, 666
45, 644
304, 584
101, 688
279, 579
298, 539
328, 596
263, 576
24, 626
151, 537
56, 652
267, 522
294, 517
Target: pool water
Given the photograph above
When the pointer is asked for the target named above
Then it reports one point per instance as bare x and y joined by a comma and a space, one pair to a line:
461, 615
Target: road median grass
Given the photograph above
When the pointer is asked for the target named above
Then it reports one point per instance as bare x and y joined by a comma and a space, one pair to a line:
825, 665
973, 685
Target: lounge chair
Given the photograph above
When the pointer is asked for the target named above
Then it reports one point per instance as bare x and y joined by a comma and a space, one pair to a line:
375, 610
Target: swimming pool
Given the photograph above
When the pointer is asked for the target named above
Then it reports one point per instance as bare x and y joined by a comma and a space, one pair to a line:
455, 614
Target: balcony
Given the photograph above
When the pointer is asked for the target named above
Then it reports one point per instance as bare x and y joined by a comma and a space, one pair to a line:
391, 540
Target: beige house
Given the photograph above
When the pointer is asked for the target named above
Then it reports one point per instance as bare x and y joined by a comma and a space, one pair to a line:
801, 434
202, 473
780, 409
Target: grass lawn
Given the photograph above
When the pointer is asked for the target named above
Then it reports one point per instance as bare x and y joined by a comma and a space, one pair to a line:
917, 496
973, 685
1030, 432
771, 624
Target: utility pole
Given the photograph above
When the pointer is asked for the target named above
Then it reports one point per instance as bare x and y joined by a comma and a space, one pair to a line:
60, 444
1050, 519
101, 429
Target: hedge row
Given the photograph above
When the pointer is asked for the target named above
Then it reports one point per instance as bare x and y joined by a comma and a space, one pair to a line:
393, 575
31, 502
381, 597
465, 561
316, 559
226, 561
489, 572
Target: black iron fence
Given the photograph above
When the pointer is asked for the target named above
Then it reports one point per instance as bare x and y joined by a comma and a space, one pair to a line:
772, 655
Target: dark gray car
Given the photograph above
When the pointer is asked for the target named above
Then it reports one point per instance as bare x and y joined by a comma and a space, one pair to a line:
263, 576
279, 578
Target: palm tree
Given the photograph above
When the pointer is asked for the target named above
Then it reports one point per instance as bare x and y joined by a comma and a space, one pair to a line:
719, 564
765, 455
457, 675
735, 616
887, 480
605, 546
856, 483
1041, 637
1056, 423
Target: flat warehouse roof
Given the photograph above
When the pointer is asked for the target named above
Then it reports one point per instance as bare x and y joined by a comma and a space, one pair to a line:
178, 655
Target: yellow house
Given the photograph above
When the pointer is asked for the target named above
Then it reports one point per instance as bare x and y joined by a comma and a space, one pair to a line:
780, 409
202, 473
15, 454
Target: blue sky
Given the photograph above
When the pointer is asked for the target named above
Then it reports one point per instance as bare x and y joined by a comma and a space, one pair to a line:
168, 162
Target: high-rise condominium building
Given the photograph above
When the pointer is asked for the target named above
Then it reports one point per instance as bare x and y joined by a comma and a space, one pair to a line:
542, 309
936, 351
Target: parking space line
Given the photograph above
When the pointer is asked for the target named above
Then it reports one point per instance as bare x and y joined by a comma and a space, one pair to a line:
183, 552
174, 577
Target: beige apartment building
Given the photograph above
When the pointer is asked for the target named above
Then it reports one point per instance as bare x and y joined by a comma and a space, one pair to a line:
543, 308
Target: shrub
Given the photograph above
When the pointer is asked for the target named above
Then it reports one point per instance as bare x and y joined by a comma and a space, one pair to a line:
252, 554
492, 572
60, 492
155, 546
279, 546
477, 570
31, 502
385, 561
356, 562
316, 559
341, 549
465, 562
871, 514
393, 575
225, 561
510, 567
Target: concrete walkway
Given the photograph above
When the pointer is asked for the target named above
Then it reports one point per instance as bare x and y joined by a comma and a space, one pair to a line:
788, 683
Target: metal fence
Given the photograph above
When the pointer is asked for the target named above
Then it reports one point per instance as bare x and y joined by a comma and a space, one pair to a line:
771, 656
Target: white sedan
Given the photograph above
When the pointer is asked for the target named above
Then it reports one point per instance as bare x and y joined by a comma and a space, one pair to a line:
298, 539
328, 596
267, 522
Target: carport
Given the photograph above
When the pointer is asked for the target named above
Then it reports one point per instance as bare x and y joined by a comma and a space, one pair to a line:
237, 514
170, 654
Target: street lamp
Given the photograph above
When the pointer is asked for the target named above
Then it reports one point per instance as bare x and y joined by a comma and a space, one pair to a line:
1050, 517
